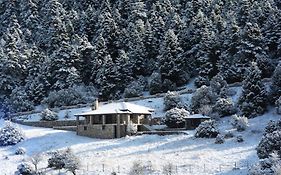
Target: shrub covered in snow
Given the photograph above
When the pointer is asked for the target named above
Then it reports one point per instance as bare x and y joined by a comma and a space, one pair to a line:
48, 115
174, 118
217, 83
278, 105
267, 166
202, 97
169, 169
36, 159
71, 96
10, 135
219, 139
240, 122
228, 135
273, 126
19, 100
224, 107
271, 140
207, 129
132, 128
20, 151
140, 169
168, 85
171, 100
239, 139
134, 89
155, 83
64, 159
24, 169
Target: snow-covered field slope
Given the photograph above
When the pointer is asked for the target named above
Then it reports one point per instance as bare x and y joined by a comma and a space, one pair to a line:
189, 155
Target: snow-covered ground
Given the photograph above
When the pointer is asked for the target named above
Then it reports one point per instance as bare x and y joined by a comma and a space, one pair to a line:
188, 154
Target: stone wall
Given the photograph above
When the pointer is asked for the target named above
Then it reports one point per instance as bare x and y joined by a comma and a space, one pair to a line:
100, 131
48, 124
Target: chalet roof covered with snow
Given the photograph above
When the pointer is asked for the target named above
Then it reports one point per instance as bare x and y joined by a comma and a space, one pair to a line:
197, 116
119, 108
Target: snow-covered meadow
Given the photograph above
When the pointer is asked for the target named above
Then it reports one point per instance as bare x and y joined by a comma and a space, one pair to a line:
188, 155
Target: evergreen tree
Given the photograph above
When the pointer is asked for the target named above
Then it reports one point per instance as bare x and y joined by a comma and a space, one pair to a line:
63, 69
253, 100
172, 66
275, 92
136, 48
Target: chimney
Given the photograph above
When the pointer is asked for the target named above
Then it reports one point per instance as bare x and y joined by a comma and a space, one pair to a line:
95, 105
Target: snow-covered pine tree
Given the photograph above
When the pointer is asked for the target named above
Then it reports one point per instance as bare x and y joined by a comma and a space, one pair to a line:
172, 65
10, 135
253, 100
136, 48
113, 77
63, 69
275, 91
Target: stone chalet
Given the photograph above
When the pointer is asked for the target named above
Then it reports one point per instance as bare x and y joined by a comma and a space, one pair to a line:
111, 120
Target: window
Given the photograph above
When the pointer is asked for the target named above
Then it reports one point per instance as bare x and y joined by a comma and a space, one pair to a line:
103, 127
85, 128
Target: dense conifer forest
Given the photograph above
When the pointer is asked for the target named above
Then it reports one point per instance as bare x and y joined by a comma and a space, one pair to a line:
67, 51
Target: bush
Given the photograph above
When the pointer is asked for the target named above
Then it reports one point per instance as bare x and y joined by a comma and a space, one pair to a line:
48, 115
239, 139
201, 81
268, 166
240, 122
139, 169
134, 89
271, 140
71, 96
24, 169
155, 83
64, 159
20, 151
228, 135
202, 97
269, 143
273, 126
132, 128
10, 135
224, 107
20, 101
219, 139
218, 83
207, 129
171, 100
169, 169
174, 118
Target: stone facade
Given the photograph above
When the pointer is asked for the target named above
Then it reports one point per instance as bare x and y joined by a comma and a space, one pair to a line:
107, 131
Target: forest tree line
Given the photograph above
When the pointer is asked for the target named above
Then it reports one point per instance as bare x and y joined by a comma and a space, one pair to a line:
117, 48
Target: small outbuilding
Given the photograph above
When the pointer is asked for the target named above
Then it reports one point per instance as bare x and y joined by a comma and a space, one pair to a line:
193, 121
111, 120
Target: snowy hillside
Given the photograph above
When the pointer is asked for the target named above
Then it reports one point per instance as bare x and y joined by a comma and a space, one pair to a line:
188, 155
